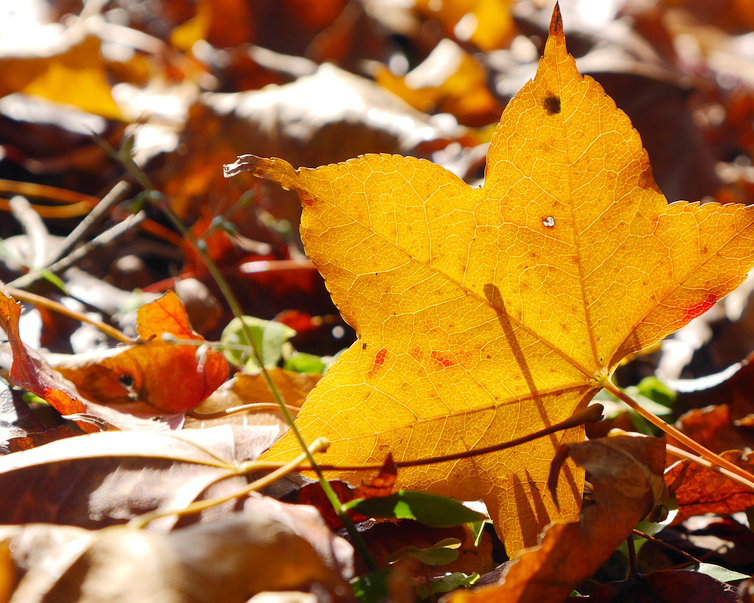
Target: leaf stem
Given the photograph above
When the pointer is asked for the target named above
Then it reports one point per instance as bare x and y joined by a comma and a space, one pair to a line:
687, 456
235, 307
746, 478
632, 565
254, 407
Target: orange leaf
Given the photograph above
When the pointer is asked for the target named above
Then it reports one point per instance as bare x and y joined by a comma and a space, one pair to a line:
164, 315
156, 376
485, 314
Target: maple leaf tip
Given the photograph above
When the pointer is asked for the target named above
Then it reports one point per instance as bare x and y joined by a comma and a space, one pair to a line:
244, 163
556, 23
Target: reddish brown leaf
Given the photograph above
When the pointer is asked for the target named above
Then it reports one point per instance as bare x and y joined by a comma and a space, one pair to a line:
714, 428
626, 474
380, 485
32, 440
699, 490
673, 586
31, 371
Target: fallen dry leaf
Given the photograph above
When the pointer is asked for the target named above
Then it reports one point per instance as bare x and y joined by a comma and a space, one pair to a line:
626, 473
31, 371
142, 379
699, 490
735, 391
245, 388
672, 586
486, 314
486, 23
68, 70
714, 429
102, 479
449, 80
225, 560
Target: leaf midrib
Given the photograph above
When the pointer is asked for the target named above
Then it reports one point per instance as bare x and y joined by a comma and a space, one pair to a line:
591, 375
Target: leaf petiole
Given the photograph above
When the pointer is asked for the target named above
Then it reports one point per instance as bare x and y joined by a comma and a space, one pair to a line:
746, 478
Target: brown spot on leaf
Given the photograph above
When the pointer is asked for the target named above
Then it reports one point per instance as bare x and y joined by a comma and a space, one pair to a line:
551, 104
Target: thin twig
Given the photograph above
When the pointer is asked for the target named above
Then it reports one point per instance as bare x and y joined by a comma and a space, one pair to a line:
102, 240
633, 567
34, 227
94, 217
668, 546
64, 196
54, 306
254, 407
319, 445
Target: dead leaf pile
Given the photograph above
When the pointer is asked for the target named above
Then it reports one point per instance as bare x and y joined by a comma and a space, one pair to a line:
445, 307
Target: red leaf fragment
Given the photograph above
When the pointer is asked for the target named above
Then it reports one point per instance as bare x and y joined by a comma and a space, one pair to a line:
381, 485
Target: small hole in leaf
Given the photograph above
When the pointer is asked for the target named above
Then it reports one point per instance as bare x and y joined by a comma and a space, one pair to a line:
552, 104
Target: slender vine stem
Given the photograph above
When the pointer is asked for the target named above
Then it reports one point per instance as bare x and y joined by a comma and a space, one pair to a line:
301, 463
715, 459
54, 306
235, 307
667, 545
319, 445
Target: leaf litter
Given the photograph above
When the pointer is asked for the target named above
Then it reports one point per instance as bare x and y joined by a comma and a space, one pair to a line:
168, 503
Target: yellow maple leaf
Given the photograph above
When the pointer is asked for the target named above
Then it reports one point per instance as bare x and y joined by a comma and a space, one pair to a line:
487, 314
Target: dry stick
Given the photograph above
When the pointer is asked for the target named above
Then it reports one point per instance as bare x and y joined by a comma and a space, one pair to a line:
710, 456
34, 227
319, 445
54, 306
94, 217
687, 456
106, 238
74, 210
64, 196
